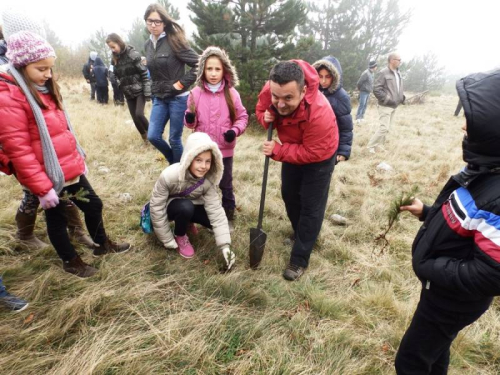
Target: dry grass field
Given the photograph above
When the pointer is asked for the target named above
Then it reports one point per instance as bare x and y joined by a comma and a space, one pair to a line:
152, 312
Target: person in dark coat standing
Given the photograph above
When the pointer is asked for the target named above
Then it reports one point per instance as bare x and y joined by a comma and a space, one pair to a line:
167, 54
330, 84
88, 73
101, 81
456, 253
365, 87
133, 78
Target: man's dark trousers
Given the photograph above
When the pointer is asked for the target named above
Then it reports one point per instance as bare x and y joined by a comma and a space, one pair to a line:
304, 189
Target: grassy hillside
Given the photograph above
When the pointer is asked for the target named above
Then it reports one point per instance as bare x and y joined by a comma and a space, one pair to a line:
152, 312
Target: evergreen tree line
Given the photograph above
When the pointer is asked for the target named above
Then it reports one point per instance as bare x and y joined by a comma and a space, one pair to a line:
259, 33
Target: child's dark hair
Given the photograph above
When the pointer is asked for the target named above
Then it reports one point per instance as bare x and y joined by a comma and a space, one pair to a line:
51, 85
175, 33
115, 38
287, 71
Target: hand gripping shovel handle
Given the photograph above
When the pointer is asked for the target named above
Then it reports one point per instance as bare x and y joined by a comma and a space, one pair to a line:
257, 235
264, 180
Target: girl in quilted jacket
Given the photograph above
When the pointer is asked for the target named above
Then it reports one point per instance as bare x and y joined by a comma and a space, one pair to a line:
133, 80
215, 108
39, 147
186, 193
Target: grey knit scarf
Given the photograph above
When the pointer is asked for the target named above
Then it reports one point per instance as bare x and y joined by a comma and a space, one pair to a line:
50, 160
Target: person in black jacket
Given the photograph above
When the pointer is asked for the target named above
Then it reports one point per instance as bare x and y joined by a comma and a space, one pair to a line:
330, 79
88, 73
118, 97
101, 80
167, 54
456, 253
133, 80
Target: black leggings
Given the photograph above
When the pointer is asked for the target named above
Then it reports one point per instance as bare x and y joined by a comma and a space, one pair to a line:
183, 212
136, 108
57, 222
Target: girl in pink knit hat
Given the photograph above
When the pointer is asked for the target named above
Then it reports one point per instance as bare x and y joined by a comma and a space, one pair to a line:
39, 147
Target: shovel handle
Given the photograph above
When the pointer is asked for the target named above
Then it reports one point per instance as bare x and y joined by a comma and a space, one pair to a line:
264, 179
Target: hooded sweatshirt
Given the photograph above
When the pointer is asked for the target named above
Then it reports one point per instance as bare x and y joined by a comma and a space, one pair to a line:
176, 178
456, 253
310, 133
212, 112
100, 73
340, 102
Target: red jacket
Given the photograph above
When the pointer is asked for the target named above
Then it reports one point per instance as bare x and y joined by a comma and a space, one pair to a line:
310, 134
20, 145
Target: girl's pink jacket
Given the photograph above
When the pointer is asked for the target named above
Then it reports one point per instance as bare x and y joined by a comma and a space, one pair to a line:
212, 115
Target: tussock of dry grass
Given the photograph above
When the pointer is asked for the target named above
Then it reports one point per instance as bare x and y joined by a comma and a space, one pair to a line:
151, 312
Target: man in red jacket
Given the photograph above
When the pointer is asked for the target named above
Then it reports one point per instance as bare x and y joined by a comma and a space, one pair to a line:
308, 141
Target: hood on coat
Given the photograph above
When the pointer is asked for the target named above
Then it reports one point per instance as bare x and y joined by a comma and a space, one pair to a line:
197, 143
98, 62
479, 94
230, 74
331, 64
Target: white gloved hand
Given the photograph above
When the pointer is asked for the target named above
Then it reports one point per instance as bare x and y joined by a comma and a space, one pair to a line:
229, 257
171, 244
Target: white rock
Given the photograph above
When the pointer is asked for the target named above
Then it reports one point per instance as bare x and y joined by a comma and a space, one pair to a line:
2, 174
129, 122
338, 220
125, 197
103, 170
384, 167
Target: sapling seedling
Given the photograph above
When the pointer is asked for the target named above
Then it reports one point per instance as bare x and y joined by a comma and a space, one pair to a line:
404, 199
80, 195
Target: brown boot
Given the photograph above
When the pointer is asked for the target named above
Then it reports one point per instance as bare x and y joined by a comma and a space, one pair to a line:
79, 268
111, 247
25, 228
75, 227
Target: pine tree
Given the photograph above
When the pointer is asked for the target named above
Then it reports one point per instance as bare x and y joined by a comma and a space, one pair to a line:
98, 44
255, 33
423, 73
356, 31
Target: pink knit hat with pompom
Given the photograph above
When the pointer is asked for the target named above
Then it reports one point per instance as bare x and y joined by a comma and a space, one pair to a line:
25, 47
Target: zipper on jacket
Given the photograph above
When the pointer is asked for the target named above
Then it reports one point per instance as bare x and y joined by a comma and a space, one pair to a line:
427, 285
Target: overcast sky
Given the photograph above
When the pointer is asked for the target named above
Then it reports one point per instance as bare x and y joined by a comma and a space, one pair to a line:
462, 33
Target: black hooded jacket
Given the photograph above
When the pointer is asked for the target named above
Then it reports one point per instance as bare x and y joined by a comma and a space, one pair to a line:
456, 253
132, 75
100, 73
87, 71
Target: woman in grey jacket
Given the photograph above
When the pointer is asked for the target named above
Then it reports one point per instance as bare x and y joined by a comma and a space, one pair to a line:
167, 54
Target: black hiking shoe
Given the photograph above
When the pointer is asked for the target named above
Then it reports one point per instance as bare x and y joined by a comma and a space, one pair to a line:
293, 272
111, 247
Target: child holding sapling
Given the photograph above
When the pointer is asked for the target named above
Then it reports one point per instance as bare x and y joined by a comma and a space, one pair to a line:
456, 253
186, 193
39, 146
215, 108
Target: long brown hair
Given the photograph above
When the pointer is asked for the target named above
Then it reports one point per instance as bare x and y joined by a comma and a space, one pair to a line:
175, 33
230, 103
51, 85
115, 38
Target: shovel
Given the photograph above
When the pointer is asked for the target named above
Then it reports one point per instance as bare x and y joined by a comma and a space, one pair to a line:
257, 235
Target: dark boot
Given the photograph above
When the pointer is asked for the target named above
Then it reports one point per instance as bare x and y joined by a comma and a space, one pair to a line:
25, 227
230, 218
144, 137
111, 247
79, 268
75, 227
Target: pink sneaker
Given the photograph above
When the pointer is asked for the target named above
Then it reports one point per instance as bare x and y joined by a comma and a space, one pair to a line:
192, 229
185, 248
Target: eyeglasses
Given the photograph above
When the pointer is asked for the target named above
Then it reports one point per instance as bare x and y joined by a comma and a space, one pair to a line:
396, 59
156, 22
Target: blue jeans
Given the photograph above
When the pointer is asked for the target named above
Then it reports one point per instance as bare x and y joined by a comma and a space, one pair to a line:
163, 110
363, 103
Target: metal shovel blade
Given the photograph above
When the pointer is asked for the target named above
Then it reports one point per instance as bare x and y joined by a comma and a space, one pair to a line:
257, 244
